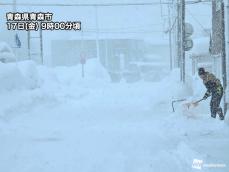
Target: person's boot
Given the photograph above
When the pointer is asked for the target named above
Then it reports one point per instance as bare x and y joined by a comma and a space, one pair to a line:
221, 116
220, 112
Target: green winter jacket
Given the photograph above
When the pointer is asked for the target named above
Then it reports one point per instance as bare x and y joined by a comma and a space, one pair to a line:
212, 84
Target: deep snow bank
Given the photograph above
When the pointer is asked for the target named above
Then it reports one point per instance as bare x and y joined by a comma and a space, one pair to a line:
11, 77
95, 75
18, 76
27, 75
25, 85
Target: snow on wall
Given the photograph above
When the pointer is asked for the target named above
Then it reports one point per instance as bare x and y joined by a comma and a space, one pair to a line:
201, 46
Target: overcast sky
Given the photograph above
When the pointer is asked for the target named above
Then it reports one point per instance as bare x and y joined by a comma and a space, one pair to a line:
147, 22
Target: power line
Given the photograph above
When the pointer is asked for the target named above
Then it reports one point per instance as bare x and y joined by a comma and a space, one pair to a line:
171, 28
84, 5
199, 1
99, 4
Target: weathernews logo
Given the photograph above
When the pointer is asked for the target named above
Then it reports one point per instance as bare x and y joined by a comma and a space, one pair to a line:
199, 164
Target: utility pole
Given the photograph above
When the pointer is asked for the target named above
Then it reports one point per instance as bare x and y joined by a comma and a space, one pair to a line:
178, 54
218, 43
182, 41
170, 40
227, 27
181, 37
226, 51
97, 32
224, 66
15, 10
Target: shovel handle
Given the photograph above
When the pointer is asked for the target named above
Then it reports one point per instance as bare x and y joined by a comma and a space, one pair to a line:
199, 101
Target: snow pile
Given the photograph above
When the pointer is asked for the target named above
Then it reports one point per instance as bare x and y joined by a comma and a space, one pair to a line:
47, 76
94, 69
94, 74
6, 53
30, 73
11, 77
21, 76
27, 75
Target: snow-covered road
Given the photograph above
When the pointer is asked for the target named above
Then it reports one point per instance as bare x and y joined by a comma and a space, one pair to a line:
68, 125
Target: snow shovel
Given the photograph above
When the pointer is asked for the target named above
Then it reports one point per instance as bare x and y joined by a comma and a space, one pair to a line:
193, 104
175, 101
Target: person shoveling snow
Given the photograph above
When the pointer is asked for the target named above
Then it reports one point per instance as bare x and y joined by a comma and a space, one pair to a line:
214, 89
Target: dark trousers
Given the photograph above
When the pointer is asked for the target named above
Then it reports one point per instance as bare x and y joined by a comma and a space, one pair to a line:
215, 104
